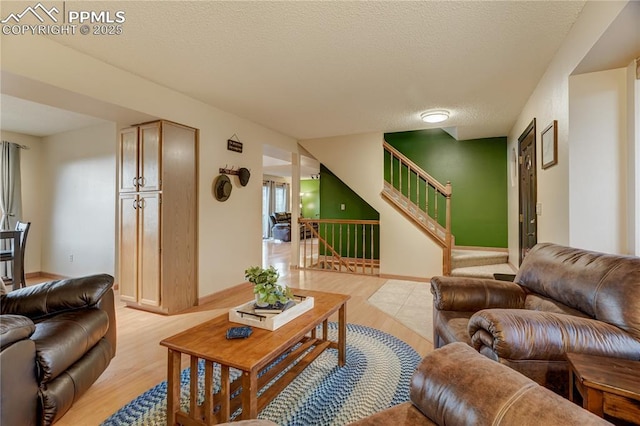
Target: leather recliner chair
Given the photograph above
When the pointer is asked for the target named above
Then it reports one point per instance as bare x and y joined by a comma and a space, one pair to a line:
455, 385
562, 300
56, 339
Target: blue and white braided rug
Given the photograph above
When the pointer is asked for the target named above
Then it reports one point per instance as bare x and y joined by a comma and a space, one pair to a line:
376, 376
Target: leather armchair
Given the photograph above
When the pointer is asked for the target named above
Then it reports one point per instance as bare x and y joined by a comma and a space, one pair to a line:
455, 385
562, 300
67, 333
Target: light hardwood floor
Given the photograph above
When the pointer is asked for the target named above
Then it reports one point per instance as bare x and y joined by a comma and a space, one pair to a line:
140, 362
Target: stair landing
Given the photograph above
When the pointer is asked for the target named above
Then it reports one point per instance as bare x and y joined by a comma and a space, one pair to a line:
479, 263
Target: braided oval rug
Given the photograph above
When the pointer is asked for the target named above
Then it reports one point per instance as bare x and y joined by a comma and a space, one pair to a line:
376, 376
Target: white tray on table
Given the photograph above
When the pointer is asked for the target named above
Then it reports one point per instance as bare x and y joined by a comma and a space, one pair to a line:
244, 314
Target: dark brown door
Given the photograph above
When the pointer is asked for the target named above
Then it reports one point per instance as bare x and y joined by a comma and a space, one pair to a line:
528, 185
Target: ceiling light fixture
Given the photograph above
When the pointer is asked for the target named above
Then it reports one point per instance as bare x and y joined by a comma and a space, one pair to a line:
434, 116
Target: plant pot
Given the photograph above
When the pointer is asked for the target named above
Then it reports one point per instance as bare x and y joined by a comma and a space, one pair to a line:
259, 303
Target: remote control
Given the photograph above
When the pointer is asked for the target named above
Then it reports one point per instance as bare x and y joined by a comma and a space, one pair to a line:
239, 332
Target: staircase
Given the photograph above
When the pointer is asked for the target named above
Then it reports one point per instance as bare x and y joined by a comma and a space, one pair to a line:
427, 202
479, 263
421, 198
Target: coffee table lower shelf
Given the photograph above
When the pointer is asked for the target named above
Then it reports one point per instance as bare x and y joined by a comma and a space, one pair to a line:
228, 400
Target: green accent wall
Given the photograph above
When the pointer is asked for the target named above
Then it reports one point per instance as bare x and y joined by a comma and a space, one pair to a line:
477, 170
310, 198
333, 193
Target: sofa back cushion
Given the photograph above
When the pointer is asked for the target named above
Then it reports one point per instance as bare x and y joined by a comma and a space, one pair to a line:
604, 286
282, 217
537, 302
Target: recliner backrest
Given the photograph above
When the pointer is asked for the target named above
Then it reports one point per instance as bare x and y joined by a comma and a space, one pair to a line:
604, 286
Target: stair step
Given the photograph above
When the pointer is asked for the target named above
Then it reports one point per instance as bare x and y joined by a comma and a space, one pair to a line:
468, 258
483, 271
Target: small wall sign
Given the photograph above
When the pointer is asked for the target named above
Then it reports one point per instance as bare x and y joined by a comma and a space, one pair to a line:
234, 145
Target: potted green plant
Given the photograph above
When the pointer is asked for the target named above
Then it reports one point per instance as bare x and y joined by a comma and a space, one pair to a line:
266, 287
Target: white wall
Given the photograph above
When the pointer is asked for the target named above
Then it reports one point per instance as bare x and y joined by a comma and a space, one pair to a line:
359, 162
598, 139
550, 101
31, 179
78, 187
633, 164
230, 237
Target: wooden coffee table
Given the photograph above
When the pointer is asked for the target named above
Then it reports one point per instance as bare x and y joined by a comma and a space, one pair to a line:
607, 385
251, 356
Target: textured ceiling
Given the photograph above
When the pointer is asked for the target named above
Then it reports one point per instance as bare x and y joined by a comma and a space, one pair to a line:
316, 69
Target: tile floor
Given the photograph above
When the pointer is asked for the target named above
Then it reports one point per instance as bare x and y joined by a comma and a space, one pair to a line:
409, 302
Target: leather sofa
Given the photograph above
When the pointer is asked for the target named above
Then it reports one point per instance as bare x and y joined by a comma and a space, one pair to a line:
455, 385
56, 339
281, 226
562, 300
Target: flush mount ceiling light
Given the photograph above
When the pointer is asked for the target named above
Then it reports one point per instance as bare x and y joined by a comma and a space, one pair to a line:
434, 116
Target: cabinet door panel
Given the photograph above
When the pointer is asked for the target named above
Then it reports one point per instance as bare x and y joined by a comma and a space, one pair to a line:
150, 158
149, 249
127, 235
128, 167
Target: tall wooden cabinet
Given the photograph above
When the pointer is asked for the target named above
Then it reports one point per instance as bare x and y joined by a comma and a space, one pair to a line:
157, 182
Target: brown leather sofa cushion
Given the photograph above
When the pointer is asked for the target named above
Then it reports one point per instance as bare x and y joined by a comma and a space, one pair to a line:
535, 302
601, 285
14, 328
452, 326
64, 339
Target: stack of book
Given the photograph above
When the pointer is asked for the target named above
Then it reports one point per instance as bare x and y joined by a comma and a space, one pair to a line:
275, 308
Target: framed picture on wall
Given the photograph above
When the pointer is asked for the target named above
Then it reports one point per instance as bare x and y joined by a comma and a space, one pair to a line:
550, 145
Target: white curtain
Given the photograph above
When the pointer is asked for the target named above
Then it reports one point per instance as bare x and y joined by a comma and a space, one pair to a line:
10, 194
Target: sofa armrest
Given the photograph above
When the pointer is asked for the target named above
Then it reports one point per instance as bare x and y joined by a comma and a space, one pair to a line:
474, 294
457, 385
14, 328
518, 334
19, 401
42, 300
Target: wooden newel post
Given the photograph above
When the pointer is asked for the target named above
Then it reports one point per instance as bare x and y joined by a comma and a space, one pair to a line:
446, 267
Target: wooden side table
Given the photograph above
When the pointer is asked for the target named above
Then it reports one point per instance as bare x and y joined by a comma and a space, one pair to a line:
607, 385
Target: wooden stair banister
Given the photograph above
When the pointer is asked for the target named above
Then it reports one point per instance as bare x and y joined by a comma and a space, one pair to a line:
352, 251
328, 246
402, 197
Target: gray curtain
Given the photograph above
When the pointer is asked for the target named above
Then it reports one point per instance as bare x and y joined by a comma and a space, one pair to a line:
10, 195
10, 186
268, 206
